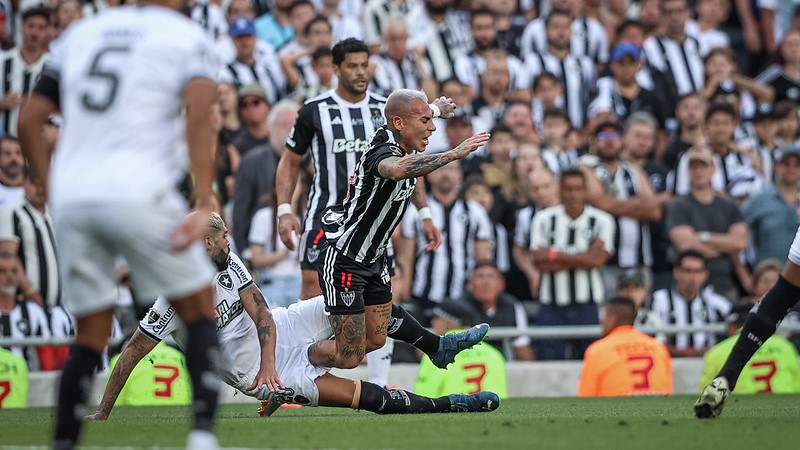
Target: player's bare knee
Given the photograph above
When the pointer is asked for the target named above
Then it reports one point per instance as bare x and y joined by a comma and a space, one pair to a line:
347, 362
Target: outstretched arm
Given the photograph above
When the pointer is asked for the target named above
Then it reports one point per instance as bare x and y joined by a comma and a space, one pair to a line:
137, 348
256, 307
410, 166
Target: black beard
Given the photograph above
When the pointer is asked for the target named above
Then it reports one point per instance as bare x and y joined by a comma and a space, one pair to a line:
222, 264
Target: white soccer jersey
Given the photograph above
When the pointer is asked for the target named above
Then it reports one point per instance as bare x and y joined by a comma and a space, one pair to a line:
233, 324
128, 66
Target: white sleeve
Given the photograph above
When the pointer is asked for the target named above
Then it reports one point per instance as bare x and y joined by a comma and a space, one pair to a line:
522, 229
200, 59
261, 228
484, 229
538, 237
242, 279
160, 321
6, 224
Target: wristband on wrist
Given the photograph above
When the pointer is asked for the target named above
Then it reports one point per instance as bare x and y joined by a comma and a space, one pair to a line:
283, 209
435, 110
552, 254
425, 213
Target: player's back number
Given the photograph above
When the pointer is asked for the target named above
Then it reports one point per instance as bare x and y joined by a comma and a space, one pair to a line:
100, 74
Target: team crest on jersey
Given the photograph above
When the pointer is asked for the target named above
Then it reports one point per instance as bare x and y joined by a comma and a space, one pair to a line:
312, 254
153, 316
24, 327
377, 119
225, 281
347, 297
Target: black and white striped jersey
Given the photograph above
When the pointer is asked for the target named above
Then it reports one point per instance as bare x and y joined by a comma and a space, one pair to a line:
337, 133
732, 169
33, 232
444, 42
469, 67
588, 39
211, 18
442, 274
391, 74
361, 226
632, 238
27, 319
577, 74
553, 228
377, 12
266, 71
680, 61
522, 226
672, 309
18, 77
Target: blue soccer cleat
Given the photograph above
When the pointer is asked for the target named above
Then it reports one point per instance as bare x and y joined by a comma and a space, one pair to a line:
450, 345
484, 401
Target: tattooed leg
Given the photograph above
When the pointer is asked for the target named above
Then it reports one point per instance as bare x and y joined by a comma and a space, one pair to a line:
376, 324
348, 348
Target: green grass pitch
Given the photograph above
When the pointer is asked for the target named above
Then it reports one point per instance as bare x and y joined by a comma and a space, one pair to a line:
644, 423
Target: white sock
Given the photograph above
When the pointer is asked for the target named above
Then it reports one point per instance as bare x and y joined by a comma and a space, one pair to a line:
378, 362
201, 440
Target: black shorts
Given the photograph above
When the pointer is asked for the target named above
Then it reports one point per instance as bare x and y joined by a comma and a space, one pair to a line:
312, 243
349, 286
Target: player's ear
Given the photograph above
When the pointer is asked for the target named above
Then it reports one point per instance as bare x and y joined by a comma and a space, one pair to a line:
398, 123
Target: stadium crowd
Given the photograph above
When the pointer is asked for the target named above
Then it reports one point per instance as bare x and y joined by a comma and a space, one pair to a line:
645, 149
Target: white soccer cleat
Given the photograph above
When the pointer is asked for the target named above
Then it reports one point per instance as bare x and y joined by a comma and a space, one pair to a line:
711, 401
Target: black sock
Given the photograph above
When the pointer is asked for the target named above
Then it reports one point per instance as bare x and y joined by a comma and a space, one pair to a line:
202, 356
761, 323
397, 401
404, 327
76, 382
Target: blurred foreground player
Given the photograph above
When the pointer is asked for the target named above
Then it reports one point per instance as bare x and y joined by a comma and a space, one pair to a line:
760, 324
121, 81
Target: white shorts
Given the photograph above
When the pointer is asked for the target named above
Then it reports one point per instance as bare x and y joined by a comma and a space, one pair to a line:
794, 250
299, 326
91, 237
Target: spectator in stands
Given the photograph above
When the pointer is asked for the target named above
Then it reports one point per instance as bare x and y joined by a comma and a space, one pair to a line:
625, 361
397, 66
765, 132
571, 242
22, 66
253, 64
784, 76
20, 319
575, 70
486, 294
376, 15
227, 158
226, 49
738, 169
228, 99
555, 127
587, 37
209, 15
774, 368
542, 193
632, 31
622, 190
444, 33
771, 214
675, 53
548, 92
26, 230
296, 56
633, 284
469, 66
11, 171
519, 118
509, 32
651, 17
709, 223
476, 189
275, 26
690, 114
687, 303
66, 13
256, 176
321, 67
478, 368
623, 91
710, 15
785, 112
765, 275
14, 376
495, 81
776, 19
344, 26
254, 108
496, 168
722, 76
466, 237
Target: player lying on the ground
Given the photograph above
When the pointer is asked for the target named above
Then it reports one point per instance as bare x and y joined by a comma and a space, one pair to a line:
297, 327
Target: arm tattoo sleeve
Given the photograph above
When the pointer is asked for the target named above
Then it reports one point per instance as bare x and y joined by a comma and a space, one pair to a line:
418, 165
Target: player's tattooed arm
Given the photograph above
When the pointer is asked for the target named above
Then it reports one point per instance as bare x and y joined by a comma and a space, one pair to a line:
138, 347
410, 166
256, 306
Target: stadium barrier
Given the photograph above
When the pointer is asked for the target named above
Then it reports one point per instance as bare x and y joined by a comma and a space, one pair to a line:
525, 379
